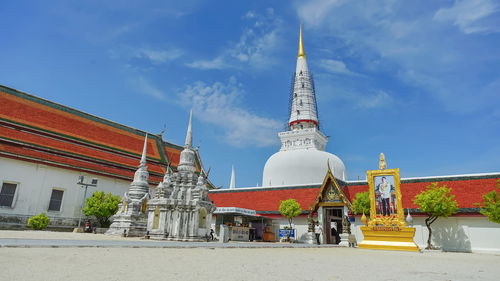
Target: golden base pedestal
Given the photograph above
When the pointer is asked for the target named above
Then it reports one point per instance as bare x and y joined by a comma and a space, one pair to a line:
388, 238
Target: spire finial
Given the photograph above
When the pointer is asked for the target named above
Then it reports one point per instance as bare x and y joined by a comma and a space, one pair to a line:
381, 163
232, 182
302, 53
144, 151
189, 134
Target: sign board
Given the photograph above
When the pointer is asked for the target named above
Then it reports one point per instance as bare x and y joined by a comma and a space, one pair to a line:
239, 233
283, 233
232, 210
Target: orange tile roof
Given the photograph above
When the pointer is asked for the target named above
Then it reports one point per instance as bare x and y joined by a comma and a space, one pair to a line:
42, 131
468, 190
260, 199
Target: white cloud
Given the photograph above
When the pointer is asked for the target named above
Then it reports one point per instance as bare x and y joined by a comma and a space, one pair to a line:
154, 56
216, 63
316, 11
254, 47
336, 66
160, 56
220, 104
375, 100
365, 100
146, 88
467, 14
418, 49
249, 15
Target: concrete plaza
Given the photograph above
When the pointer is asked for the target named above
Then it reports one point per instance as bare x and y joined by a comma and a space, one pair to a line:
38, 256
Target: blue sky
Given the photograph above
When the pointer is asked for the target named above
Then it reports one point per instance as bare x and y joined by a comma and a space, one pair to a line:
417, 80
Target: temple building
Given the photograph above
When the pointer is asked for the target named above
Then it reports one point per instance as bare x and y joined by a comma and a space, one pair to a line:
45, 147
304, 171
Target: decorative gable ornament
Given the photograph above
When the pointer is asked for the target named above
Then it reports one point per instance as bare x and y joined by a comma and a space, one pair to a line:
331, 192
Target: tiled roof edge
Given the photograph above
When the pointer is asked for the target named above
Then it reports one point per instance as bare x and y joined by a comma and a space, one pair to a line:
439, 178
68, 166
67, 154
253, 189
80, 113
453, 177
459, 211
412, 211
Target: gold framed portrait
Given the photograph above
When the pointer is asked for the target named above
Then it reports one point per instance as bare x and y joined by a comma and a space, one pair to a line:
385, 196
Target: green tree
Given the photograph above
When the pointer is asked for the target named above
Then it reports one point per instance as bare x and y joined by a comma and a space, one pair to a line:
39, 222
361, 203
491, 202
102, 206
436, 201
290, 208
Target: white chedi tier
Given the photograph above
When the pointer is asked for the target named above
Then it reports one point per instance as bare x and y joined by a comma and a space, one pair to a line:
302, 158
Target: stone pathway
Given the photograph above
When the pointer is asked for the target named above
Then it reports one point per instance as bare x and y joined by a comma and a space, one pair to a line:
48, 239
74, 256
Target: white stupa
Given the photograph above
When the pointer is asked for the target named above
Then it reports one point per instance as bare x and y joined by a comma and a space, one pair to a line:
302, 158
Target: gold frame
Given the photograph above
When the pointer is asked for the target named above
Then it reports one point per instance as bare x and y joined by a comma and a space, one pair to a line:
392, 220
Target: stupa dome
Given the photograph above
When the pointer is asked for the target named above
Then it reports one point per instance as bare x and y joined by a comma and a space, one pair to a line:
301, 166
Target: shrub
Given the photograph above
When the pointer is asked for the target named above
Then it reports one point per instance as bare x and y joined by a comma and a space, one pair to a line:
436, 201
491, 204
290, 209
39, 222
102, 206
361, 204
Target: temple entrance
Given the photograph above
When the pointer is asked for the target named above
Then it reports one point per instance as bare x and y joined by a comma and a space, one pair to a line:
333, 224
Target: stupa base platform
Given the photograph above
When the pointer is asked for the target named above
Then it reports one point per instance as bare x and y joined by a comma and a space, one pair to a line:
388, 238
128, 225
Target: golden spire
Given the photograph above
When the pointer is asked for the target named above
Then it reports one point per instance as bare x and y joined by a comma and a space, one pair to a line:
302, 53
381, 163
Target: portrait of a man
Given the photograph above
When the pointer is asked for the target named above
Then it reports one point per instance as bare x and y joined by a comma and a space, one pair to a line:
385, 195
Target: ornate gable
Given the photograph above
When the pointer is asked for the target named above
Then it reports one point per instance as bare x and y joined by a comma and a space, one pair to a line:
331, 193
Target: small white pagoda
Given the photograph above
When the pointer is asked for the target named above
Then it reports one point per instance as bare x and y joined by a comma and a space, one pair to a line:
130, 220
180, 209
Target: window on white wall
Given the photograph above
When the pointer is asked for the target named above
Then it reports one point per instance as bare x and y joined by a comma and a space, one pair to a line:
7, 194
56, 200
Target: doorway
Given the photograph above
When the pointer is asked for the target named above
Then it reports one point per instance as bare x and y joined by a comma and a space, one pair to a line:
333, 224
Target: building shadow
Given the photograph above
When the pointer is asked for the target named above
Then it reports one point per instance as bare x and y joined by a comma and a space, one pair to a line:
451, 238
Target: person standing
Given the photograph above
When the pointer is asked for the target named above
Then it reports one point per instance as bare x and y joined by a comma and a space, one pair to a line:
334, 233
385, 189
317, 230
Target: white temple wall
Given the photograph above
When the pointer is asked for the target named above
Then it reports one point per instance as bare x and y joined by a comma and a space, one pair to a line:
298, 223
34, 188
462, 234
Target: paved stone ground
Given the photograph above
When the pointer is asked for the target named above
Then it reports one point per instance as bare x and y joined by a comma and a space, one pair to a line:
213, 263
48, 239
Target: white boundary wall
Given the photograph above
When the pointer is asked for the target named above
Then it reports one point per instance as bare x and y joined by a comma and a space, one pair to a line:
34, 188
454, 234
461, 234
298, 223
